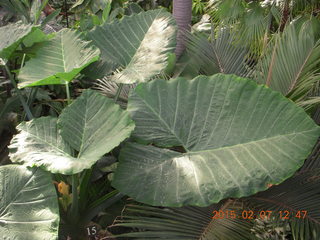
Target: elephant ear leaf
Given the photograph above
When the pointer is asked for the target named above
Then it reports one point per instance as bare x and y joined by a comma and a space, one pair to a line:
139, 45
231, 137
11, 36
28, 204
58, 60
92, 125
40, 144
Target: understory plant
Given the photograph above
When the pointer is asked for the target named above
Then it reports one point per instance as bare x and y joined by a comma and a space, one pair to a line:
218, 131
86, 130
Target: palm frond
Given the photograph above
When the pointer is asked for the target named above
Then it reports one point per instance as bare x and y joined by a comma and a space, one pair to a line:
219, 55
148, 222
296, 201
275, 11
19, 8
316, 115
187, 66
313, 161
309, 102
290, 63
227, 11
253, 27
303, 5
110, 89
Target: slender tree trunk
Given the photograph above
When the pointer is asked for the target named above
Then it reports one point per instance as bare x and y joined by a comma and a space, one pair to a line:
285, 15
182, 12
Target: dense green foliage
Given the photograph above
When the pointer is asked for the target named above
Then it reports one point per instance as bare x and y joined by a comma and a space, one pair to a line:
96, 108
92, 125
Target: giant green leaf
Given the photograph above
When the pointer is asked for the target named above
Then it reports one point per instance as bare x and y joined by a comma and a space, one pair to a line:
138, 44
232, 138
40, 144
28, 204
93, 125
11, 36
59, 60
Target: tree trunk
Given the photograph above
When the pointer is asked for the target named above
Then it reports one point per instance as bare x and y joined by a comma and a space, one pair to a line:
182, 12
285, 15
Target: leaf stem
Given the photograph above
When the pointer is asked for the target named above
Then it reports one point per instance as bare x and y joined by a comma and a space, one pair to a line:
116, 97
22, 100
75, 202
83, 195
23, 60
101, 204
28, 97
273, 59
68, 92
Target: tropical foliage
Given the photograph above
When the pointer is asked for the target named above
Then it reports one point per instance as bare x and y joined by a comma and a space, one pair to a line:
119, 120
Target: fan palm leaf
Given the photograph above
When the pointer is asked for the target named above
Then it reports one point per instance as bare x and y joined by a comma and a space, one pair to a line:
226, 12
219, 55
184, 223
290, 64
296, 201
255, 26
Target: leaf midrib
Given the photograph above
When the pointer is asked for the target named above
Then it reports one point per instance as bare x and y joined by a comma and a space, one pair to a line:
50, 144
62, 54
164, 122
32, 177
144, 37
190, 151
15, 197
84, 128
221, 148
253, 141
294, 82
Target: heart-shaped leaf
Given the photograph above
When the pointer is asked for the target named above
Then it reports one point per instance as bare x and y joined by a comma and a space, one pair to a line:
138, 44
232, 138
28, 204
93, 125
40, 144
58, 60
11, 36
